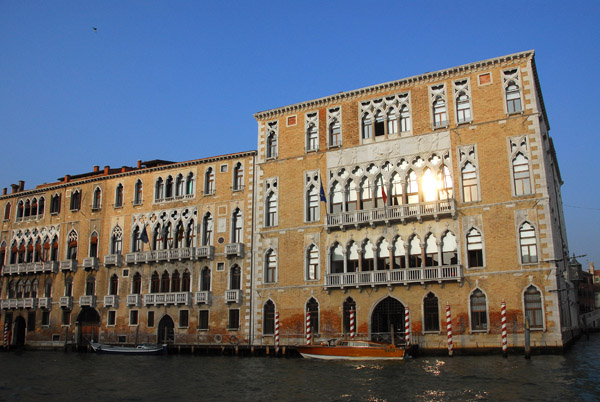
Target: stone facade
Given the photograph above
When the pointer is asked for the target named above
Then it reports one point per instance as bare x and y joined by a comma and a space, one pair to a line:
404, 199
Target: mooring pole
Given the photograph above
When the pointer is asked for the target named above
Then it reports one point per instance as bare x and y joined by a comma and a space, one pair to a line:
527, 340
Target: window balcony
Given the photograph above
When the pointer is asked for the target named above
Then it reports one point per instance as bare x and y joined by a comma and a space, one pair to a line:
203, 297
391, 277
134, 300
396, 213
30, 302
22, 268
10, 269
68, 265
65, 302
233, 296
165, 299
234, 249
38, 267
51, 266
113, 259
30, 268
205, 252
111, 301
91, 263
139, 257
45, 302
4, 304
87, 301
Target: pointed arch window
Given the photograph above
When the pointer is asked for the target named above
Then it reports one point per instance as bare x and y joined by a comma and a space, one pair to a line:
48, 288
155, 283
179, 185
415, 259
440, 114
335, 133
412, 188
353, 257
42, 207
34, 288
186, 281
113, 286
175, 282
383, 255
236, 235
533, 307
190, 234
137, 192
463, 108
159, 190
169, 187
474, 248
272, 145
405, 123
449, 249
513, 98
269, 318
367, 127
368, 256
136, 285
431, 313
7, 211
20, 289
271, 266
189, 184
235, 278
97, 201
312, 137
392, 122
54, 249
469, 182
69, 286
75, 200
397, 190
55, 204
271, 210
336, 264
20, 212
209, 182
521, 177
136, 242
337, 198
399, 254
445, 180
27, 208
27, 289
351, 198
528, 243
34, 207
478, 311
205, 280
165, 282
119, 196
312, 308
312, 204
116, 240
72, 245
207, 229
93, 245
238, 176
312, 263
366, 194
431, 251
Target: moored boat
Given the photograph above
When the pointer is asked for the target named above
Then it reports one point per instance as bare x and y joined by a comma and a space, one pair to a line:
352, 350
143, 349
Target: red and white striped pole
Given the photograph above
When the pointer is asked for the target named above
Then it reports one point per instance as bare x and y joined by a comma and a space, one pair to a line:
504, 338
308, 334
407, 327
352, 324
5, 335
449, 330
277, 332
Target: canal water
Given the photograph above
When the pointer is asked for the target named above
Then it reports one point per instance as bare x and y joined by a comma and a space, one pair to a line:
58, 376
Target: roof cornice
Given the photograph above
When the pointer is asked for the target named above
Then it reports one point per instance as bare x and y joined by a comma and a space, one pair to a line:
267, 114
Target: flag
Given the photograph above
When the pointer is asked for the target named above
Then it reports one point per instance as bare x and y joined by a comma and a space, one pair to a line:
322, 195
383, 195
144, 235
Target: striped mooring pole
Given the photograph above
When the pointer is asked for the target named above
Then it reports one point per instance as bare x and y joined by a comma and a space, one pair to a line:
308, 334
277, 332
449, 330
504, 337
407, 327
352, 324
5, 335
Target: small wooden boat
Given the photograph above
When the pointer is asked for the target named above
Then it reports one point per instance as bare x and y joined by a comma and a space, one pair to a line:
143, 349
352, 350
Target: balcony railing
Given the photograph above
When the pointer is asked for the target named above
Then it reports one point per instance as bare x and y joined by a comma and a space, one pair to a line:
205, 252
65, 302
113, 259
233, 296
111, 301
176, 298
391, 277
45, 302
402, 213
51, 266
203, 297
134, 300
87, 300
234, 249
141, 257
91, 263
4, 304
68, 265
30, 302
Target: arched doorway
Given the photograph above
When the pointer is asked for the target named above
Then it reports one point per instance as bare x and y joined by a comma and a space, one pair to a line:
388, 313
166, 330
88, 322
19, 331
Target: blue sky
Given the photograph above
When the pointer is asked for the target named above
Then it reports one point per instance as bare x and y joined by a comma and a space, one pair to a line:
180, 80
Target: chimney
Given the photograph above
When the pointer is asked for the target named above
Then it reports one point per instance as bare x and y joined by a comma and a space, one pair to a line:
67, 178
4, 191
139, 164
591, 267
123, 169
14, 189
21, 185
106, 169
96, 169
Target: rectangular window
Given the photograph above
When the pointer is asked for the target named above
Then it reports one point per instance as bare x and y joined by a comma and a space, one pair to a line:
184, 318
220, 266
223, 168
312, 213
203, 320
234, 319
150, 319
112, 318
45, 318
133, 317
66, 317
31, 321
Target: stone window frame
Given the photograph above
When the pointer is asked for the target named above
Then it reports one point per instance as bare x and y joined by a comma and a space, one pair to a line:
520, 145
269, 256
519, 225
311, 119
271, 189
307, 261
439, 330
370, 108
468, 153
438, 91
509, 75
458, 86
487, 311
97, 206
312, 178
271, 128
334, 114
543, 327
479, 229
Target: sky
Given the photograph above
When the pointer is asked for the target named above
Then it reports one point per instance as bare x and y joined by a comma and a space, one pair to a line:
180, 80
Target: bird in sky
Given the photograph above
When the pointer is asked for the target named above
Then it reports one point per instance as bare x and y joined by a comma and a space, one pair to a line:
95, 29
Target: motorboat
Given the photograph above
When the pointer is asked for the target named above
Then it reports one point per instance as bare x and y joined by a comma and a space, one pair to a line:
142, 349
352, 350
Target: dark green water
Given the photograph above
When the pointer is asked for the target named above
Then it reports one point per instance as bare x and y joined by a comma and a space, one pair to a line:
58, 376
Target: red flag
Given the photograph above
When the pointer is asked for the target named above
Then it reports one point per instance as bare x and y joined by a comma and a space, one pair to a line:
384, 196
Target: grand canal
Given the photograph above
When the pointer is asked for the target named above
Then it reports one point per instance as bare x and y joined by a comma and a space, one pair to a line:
58, 376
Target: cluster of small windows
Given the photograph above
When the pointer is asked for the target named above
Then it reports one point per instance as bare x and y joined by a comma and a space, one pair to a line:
385, 117
169, 188
166, 282
27, 209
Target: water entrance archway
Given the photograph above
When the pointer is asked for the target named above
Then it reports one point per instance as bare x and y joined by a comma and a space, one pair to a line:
166, 330
388, 314
19, 331
88, 322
